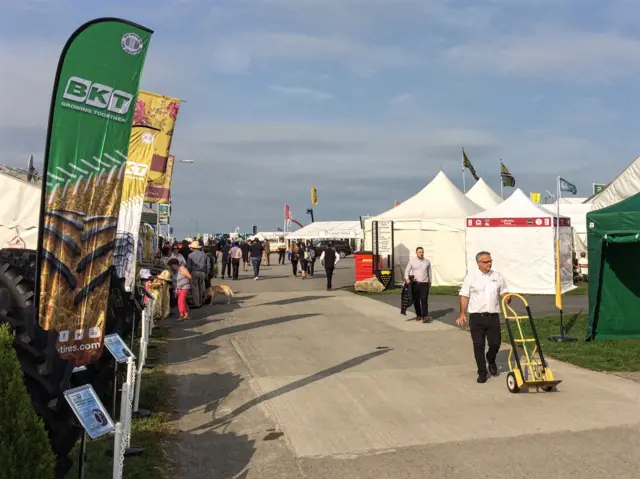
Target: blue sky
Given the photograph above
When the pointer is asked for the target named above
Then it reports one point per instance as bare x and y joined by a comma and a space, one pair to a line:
364, 99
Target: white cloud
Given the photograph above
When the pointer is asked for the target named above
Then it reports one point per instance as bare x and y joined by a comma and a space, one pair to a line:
302, 93
579, 55
236, 53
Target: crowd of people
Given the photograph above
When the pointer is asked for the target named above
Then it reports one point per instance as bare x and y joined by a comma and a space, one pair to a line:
195, 263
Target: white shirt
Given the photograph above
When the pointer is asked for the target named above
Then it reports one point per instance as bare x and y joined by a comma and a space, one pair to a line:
483, 291
334, 263
420, 269
583, 264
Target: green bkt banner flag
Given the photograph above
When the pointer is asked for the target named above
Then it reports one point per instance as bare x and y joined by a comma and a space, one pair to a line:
507, 178
467, 164
598, 187
92, 106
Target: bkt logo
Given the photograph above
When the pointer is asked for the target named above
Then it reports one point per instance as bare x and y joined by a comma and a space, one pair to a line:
97, 95
138, 170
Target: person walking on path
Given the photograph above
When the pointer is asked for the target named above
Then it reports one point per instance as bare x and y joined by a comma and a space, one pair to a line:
329, 259
480, 295
199, 266
225, 258
418, 274
294, 258
282, 253
175, 254
267, 252
236, 254
244, 246
182, 281
305, 257
255, 253
312, 260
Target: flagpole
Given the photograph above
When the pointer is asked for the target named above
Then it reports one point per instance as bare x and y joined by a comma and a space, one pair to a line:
501, 182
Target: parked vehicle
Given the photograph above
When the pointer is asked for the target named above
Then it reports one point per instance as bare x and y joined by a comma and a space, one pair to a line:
342, 247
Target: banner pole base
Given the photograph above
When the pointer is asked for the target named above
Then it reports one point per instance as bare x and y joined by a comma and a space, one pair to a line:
141, 413
133, 451
561, 338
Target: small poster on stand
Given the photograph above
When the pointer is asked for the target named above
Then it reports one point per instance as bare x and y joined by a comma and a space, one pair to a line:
90, 411
118, 348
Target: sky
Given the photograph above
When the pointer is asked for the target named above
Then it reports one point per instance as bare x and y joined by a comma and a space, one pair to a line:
367, 100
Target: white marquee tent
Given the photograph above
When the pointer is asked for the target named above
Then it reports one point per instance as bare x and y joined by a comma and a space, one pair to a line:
483, 195
328, 230
520, 236
434, 218
624, 186
20, 212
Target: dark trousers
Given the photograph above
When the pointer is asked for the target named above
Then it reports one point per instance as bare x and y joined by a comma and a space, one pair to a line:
281, 256
226, 266
485, 327
421, 298
256, 266
329, 271
235, 265
294, 266
312, 266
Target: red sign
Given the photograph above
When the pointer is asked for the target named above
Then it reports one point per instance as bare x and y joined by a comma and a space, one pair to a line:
540, 222
287, 212
398, 203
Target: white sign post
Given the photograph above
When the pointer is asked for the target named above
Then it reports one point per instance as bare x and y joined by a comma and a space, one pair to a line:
147, 325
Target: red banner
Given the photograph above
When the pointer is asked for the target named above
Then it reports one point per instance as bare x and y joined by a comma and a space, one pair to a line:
287, 212
540, 222
398, 203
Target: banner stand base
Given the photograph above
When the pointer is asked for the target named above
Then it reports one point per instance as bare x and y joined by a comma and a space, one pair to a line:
561, 338
141, 413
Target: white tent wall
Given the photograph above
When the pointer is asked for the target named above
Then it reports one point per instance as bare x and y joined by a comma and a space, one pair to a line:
443, 244
20, 212
525, 256
576, 212
624, 186
328, 230
433, 218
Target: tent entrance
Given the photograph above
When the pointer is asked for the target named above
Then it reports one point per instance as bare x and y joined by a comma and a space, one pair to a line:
618, 288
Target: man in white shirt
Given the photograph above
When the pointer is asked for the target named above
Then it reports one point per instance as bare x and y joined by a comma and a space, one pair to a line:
480, 294
419, 268
329, 258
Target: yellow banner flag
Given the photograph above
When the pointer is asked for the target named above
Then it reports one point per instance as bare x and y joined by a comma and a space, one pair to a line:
558, 282
141, 147
535, 197
161, 112
314, 196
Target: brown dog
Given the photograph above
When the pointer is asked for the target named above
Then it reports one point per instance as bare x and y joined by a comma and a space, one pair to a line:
217, 289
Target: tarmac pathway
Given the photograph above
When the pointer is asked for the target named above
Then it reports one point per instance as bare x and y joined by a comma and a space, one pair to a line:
291, 381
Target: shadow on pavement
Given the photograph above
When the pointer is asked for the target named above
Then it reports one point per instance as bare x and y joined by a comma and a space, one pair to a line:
441, 312
228, 453
351, 363
300, 299
197, 342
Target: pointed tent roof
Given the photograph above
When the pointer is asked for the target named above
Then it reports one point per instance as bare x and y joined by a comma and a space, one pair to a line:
624, 186
518, 205
483, 195
438, 200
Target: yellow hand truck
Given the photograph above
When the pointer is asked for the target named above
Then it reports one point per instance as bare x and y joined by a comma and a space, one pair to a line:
536, 372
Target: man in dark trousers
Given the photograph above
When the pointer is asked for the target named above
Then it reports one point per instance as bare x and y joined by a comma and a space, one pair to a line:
225, 258
329, 258
419, 268
480, 295
255, 254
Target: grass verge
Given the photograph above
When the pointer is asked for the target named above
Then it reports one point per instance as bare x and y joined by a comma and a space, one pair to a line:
622, 355
581, 290
152, 433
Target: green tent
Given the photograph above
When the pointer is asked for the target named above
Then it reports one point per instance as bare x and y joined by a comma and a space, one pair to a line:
613, 236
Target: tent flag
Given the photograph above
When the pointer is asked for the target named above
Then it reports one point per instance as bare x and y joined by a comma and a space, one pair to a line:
86, 151
568, 187
314, 196
558, 280
467, 164
507, 178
